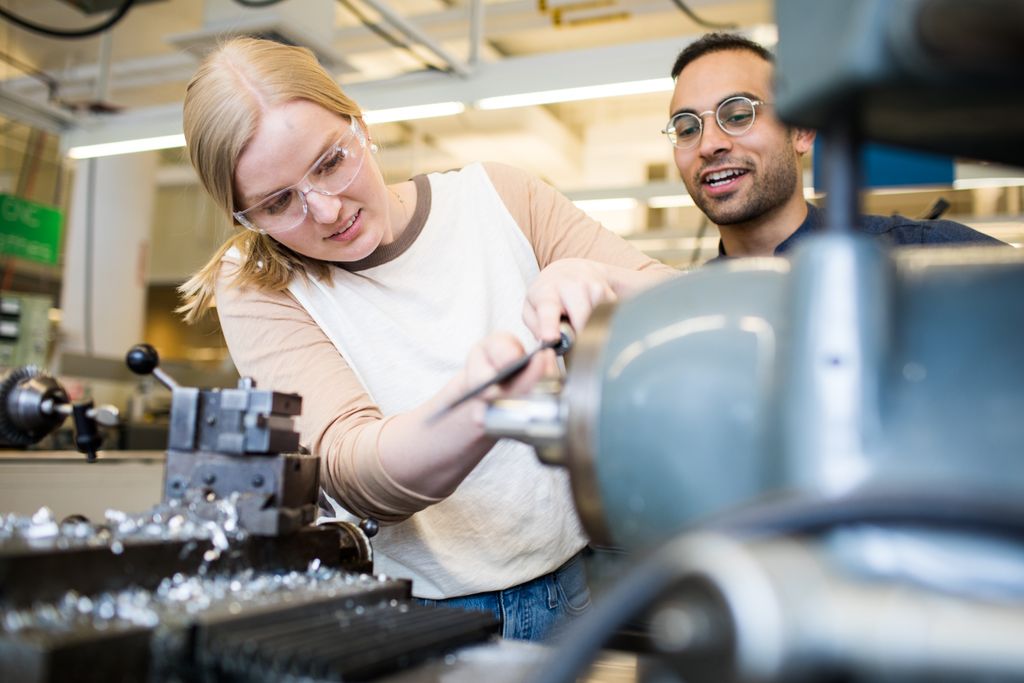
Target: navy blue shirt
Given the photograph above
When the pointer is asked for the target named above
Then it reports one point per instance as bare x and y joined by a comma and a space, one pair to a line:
895, 230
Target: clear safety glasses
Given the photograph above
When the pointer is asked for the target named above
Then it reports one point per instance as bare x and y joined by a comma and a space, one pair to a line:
331, 174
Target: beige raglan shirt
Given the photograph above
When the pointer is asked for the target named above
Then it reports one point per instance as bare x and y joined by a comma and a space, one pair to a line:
382, 335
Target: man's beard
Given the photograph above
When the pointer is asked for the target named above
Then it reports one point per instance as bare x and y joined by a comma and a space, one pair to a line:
775, 184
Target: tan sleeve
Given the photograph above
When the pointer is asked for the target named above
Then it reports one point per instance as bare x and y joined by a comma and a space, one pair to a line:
274, 340
557, 229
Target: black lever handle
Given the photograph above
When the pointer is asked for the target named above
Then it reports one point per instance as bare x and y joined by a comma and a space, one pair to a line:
142, 359
87, 437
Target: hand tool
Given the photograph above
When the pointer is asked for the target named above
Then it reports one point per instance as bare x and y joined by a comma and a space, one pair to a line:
566, 338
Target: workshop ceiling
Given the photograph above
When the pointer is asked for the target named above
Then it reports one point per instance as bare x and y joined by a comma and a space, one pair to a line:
605, 152
106, 85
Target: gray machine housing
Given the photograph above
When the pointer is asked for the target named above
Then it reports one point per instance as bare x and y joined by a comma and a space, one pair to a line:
751, 381
814, 463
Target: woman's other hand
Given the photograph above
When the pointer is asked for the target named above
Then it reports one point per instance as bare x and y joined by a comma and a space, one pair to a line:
572, 287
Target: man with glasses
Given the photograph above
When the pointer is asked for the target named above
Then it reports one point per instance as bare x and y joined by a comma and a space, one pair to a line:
741, 165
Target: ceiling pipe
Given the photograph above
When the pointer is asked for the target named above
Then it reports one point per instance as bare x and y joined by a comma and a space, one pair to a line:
102, 91
476, 31
411, 31
37, 114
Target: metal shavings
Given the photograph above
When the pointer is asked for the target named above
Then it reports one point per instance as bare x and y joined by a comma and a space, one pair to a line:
180, 597
195, 517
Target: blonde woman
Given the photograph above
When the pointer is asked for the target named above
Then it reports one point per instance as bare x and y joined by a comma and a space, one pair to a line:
379, 304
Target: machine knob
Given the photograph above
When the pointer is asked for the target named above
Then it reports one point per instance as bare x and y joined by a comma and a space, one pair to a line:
370, 526
142, 359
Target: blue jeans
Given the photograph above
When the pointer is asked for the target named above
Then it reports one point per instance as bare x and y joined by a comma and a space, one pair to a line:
531, 610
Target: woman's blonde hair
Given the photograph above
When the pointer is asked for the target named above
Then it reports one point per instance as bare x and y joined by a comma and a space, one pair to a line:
233, 86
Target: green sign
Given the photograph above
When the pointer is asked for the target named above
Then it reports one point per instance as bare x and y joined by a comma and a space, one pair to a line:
29, 230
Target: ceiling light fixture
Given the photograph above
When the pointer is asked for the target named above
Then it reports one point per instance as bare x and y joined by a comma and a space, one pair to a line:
419, 111
410, 113
107, 149
588, 92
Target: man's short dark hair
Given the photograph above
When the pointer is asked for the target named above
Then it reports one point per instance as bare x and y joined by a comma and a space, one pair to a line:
717, 42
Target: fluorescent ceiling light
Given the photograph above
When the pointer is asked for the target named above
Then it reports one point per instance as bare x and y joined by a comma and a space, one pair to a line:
419, 111
588, 92
609, 204
107, 149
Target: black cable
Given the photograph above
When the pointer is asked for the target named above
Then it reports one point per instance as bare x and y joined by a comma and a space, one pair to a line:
702, 22
970, 510
387, 37
936, 210
76, 33
630, 596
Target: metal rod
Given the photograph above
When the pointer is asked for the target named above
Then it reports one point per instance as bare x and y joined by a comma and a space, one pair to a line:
842, 174
38, 114
103, 77
419, 36
165, 379
476, 31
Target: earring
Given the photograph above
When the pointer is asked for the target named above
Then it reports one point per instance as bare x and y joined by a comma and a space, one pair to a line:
374, 147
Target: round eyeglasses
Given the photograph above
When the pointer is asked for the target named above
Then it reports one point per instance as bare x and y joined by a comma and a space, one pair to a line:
735, 116
331, 174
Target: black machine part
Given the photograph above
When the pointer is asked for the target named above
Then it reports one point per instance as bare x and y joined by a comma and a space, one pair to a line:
937, 75
38, 571
23, 394
33, 404
329, 642
720, 608
312, 623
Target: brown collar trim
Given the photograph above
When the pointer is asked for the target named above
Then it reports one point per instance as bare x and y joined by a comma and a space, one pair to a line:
389, 252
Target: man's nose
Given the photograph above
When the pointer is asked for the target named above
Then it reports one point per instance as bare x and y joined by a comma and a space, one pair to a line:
714, 140
324, 208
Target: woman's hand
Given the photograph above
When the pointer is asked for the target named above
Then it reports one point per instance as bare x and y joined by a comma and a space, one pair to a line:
489, 356
572, 287
432, 455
